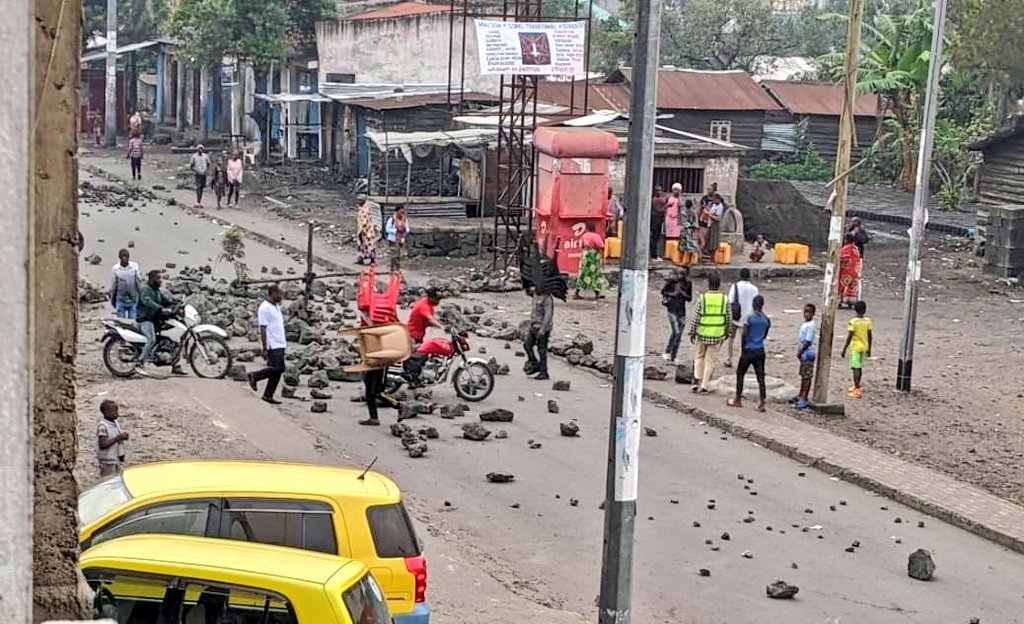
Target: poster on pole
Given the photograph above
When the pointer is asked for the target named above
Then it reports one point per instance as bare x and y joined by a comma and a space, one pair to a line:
533, 48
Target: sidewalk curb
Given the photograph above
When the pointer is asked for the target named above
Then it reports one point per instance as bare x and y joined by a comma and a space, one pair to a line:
834, 469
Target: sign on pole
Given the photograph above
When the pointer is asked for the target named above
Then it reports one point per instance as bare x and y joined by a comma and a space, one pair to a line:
531, 48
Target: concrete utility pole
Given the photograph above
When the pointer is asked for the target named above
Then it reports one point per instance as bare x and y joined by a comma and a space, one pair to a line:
110, 117
16, 359
905, 366
837, 223
615, 602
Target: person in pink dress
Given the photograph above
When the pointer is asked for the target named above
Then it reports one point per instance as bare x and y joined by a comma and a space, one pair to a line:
672, 228
234, 177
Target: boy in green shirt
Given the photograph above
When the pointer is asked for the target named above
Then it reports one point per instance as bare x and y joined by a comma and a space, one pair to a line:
858, 343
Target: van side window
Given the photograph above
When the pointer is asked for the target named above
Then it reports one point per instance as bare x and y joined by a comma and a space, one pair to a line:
392, 531
299, 524
178, 518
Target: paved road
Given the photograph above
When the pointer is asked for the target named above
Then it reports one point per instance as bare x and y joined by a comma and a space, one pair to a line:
540, 561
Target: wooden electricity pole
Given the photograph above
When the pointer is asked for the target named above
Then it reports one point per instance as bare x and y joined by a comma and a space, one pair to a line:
837, 223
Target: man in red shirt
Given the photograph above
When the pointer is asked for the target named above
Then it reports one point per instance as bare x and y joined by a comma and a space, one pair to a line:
422, 315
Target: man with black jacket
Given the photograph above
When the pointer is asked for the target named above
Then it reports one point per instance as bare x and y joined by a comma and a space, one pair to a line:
154, 307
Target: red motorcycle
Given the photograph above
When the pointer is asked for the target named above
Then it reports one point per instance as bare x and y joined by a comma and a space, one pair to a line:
436, 359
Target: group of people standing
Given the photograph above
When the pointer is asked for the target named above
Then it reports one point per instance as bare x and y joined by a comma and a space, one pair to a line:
223, 178
371, 229
694, 228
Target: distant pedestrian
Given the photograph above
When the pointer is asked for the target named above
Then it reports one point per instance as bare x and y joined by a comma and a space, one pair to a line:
673, 217
110, 439
659, 204
591, 273
676, 292
135, 155
858, 345
236, 169
542, 318
125, 286
703, 218
850, 267
200, 166
135, 124
759, 248
689, 242
272, 339
714, 221
755, 332
367, 231
709, 328
860, 238
396, 230
615, 212
741, 305
219, 180
806, 354
97, 128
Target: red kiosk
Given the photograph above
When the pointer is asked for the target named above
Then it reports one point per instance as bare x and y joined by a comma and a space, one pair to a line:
572, 188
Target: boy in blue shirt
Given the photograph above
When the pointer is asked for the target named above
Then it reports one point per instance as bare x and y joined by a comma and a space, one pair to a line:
806, 354
755, 331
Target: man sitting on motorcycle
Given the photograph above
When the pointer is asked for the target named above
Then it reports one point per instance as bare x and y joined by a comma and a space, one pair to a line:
154, 307
421, 317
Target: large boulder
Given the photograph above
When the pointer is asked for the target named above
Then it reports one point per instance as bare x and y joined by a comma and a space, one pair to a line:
338, 373
779, 390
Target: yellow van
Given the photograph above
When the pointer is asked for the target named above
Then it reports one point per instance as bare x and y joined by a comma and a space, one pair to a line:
352, 513
146, 579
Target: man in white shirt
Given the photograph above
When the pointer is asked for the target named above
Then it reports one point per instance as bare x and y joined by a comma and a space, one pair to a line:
742, 292
125, 286
110, 440
272, 337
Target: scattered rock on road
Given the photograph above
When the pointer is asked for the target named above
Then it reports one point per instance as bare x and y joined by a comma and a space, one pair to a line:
430, 433
650, 432
920, 565
781, 590
569, 429
561, 386
553, 406
500, 477
288, 392
93, 259
399, 430
411, 409
497, 415
704, 572
318, 407
454, 410
318, 379
419, 449
317, 393
475, 432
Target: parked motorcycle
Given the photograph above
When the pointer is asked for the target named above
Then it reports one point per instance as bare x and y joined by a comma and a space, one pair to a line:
435, 359
180, 335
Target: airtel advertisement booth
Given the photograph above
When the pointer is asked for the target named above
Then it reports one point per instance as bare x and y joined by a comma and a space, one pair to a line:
572, 188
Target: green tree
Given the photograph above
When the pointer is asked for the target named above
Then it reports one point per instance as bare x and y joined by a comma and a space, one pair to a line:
137, 20
988, 36
725, 34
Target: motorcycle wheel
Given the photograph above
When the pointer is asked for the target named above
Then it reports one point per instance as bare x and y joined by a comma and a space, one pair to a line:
473, 382
210, 357
120, 357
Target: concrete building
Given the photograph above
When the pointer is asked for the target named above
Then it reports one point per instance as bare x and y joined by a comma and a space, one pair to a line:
405, 42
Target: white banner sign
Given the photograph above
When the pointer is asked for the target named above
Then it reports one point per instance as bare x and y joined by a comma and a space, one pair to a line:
536, 48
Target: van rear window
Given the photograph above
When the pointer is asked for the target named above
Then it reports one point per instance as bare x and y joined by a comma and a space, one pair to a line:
393, 535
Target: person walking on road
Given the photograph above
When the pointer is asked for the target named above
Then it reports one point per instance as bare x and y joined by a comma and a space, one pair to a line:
135, 124
860, 239
135, 155
396, 230
110, 439
235, 172
708, 330
676, 292
272, 338
154, 307
125, 286
200, 166
367, 231
755, 331
858, 345
219, 180
659, 205
542, 319
591, 275
741, 305
806, 355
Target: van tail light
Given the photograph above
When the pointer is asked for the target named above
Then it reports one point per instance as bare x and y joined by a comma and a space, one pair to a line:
417, 566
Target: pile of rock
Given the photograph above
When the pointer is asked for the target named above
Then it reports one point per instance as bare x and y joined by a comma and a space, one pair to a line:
91, 293
112, 195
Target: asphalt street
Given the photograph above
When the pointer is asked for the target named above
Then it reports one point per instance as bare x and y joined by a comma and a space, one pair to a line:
530, 550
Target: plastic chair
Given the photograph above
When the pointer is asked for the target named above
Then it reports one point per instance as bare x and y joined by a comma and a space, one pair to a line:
379, 346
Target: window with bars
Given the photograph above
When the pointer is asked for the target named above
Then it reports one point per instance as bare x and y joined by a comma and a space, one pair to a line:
721, 129
691, 178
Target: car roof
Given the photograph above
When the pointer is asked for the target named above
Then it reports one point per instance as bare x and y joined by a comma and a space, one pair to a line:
255, 476
140, 552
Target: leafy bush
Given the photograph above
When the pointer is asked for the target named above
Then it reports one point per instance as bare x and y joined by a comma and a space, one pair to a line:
805, 164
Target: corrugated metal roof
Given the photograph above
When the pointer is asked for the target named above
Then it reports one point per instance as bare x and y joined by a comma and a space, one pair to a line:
818, 98
402, 9
600, 96
690, 89
131, 47
291, 97
399, 101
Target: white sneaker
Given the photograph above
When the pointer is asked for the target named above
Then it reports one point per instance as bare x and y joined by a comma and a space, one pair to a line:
666, 357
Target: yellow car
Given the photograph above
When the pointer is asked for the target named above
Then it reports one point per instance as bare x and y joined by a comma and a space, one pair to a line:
172, 579
348, 512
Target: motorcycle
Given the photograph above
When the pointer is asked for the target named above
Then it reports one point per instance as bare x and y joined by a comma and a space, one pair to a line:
432, 363
181, 334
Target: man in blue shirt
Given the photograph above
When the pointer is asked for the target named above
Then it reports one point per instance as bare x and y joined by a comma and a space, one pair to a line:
755, 331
